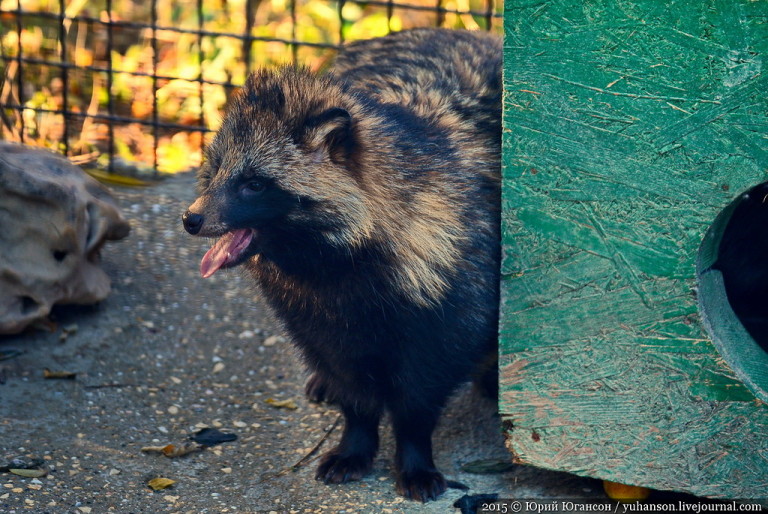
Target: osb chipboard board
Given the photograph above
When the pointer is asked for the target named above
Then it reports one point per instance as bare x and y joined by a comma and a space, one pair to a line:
628, 126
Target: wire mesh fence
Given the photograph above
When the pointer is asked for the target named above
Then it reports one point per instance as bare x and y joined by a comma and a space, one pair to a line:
135, 87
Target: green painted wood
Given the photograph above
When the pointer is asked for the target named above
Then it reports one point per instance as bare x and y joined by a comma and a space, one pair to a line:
628, 127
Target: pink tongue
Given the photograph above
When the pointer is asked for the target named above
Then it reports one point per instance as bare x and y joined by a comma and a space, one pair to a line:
225, 251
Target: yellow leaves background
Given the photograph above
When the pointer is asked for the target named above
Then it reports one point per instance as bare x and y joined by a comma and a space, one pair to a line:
197, 57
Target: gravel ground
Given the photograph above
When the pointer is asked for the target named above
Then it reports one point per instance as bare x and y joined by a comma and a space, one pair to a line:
169, 353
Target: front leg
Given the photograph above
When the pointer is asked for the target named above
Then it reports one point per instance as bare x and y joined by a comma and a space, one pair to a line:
352, 459
417, 476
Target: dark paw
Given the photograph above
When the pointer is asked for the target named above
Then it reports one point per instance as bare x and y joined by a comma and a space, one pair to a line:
339, 469
316, 390
422, 485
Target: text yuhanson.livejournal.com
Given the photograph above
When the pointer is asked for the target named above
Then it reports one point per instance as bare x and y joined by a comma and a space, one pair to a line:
542, 506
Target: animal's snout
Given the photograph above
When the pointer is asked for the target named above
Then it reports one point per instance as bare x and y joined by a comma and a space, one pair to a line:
193, 222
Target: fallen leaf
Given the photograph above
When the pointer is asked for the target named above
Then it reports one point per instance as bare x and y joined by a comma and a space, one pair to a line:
625, 493
473, 503
29, 473
69, 375
212, 436
153, 449
282, 404
22, 463
115, 179
173, 450
182, 449
160, 483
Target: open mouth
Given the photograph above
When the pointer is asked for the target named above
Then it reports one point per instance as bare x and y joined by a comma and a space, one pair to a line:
227, 251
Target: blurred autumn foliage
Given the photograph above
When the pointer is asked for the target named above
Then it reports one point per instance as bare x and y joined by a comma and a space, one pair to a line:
146, 82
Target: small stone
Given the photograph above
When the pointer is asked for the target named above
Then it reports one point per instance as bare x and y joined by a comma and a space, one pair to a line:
173, 410
226, 470
273, 340
176, 380
219, 366
113, 472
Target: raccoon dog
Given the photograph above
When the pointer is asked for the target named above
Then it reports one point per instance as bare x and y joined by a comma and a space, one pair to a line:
365, 204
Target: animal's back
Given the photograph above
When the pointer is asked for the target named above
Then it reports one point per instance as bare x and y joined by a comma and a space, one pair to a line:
452, 78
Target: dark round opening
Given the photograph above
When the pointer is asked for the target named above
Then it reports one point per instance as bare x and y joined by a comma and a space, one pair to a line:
732, 272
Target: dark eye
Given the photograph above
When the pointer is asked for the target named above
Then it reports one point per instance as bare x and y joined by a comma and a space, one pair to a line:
254, 186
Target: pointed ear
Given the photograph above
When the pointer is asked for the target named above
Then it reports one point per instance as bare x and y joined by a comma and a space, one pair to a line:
331, 132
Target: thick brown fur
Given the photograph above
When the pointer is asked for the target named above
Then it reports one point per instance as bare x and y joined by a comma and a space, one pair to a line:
373, 192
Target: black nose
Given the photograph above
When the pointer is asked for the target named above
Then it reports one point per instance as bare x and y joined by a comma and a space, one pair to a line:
192, 222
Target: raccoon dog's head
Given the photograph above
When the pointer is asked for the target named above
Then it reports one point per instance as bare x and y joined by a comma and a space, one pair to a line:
281, 173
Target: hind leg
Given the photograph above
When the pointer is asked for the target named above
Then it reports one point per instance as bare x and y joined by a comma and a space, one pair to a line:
352, 459
316, 388
486, 379
417, 477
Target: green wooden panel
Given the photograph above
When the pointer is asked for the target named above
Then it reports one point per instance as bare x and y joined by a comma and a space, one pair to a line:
628, 127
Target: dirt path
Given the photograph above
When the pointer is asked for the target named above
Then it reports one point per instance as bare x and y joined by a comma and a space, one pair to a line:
168, 353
